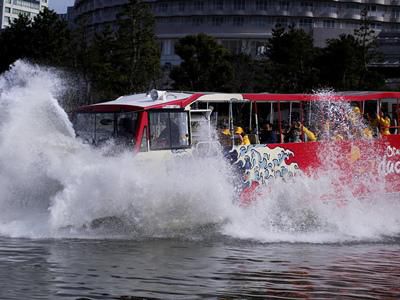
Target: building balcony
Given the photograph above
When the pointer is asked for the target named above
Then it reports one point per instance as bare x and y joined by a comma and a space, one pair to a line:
305, 13
395, 19
353, 14
327, 14
376, 16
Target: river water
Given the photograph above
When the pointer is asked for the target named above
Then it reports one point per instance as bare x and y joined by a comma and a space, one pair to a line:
213, 268
77, 222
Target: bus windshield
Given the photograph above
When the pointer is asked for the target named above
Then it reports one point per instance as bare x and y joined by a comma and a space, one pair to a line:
97, 128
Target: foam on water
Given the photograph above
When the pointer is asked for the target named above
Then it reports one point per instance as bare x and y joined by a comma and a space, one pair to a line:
52, 185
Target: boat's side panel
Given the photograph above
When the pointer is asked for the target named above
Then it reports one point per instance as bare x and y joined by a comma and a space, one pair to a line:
390, 164
358, 164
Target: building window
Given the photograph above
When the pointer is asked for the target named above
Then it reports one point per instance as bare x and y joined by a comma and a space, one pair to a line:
329, 23
377, 26
239, 5
181, 6
283, 22
235, 46
306, 5
163, 7
352, 6
198, 20
29, 4
218, 4
262, 5
20, 12
261, 21
396, 13
199, 5
306, 23
217, 20
8, 10
284, 5
238, 21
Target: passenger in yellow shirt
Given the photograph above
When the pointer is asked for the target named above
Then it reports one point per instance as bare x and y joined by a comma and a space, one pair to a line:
311, 137
384, 122
242, 136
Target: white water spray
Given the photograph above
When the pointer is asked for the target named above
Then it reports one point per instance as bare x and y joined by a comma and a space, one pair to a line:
52, 185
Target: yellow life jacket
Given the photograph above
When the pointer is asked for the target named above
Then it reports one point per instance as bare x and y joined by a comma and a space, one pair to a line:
385, 124
246, 140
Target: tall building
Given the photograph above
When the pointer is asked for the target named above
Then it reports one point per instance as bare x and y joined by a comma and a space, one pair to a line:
11, 9
244, 25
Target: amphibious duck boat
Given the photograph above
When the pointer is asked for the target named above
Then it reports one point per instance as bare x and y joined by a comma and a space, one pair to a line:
265, 136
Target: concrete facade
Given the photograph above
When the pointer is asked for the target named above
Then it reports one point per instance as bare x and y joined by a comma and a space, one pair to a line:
244, 25
10, 9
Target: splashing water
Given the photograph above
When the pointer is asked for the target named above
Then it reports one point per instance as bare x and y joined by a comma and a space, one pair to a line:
327, 206
52, 185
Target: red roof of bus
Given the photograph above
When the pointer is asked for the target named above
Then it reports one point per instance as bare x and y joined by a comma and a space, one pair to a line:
341, 96
181, 100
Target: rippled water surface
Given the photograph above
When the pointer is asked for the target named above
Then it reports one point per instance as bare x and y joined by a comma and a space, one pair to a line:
173, 269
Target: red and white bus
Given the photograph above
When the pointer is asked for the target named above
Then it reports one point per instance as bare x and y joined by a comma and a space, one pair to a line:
339, 130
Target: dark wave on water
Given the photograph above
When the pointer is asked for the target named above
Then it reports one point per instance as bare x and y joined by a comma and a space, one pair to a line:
178, 269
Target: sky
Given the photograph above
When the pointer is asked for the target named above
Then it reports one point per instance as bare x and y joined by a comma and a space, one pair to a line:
60, 6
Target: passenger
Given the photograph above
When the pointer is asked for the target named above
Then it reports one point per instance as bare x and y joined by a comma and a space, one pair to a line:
384, 122
295, 136
170, 135
367, 133
281, 136
241, 137
125, 128
355, 116
125, 135
267, 135
325, 133
337, 137
311, 137
394, 124
225, 137
373, 124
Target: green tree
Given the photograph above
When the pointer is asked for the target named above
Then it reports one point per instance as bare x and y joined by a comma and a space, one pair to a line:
50, 39
366, 38
340, 63
291, 56
16, 42
82, 61
206, 65
248, 74
137, 56
344, 61
104, 67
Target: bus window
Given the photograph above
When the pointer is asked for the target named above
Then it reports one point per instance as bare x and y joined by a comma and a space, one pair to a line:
104, 127
84, 124
97, 128
126, 128
389, 109
169, 130
143, 145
